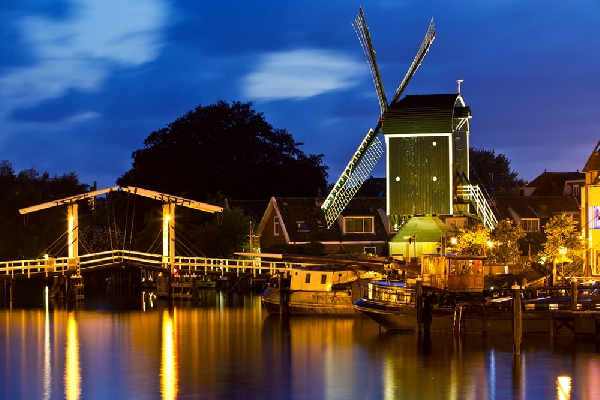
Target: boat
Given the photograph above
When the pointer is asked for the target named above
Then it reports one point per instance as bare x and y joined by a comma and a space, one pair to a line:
316, 290
449, 297
322, 285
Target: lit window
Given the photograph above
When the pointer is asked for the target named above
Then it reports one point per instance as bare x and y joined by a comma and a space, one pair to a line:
530, 225
302, 226
276, 226
358, 225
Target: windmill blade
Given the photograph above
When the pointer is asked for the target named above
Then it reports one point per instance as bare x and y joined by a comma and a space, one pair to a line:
356, 173
362, 31
427, 40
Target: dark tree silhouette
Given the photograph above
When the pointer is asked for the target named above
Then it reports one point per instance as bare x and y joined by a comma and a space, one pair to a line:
33, 235
492, 170
229, 149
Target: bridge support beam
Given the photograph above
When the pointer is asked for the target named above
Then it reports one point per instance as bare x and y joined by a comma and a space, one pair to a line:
73, 236
168, 258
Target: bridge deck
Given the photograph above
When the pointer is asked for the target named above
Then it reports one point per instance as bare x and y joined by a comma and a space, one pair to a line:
185, 265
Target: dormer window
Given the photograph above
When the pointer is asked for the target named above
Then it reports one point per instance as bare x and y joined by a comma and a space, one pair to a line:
530, 224
358, 225
302, 226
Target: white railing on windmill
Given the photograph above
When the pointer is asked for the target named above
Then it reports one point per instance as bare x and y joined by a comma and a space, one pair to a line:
371, 148
475, 196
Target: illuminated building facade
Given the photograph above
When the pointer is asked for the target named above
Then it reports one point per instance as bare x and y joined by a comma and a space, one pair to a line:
590, 210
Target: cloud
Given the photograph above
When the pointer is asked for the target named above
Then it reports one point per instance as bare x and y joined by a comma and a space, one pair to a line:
301, 74
79, 51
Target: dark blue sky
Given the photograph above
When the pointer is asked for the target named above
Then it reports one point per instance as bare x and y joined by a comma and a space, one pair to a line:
84, 82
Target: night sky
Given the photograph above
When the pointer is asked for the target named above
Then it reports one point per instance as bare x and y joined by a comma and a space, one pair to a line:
84, 82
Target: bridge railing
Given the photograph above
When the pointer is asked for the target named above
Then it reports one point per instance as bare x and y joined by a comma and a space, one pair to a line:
28, 267
185, 265
193, 265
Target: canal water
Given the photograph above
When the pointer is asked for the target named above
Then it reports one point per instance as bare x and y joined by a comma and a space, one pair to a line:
131, 345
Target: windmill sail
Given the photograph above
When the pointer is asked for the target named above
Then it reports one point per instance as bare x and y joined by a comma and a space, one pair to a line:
427, 40
362, 31
370, 149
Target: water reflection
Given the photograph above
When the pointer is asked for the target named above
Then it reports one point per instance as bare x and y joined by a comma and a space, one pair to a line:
72, 367
227, 347
47, 349
169, 366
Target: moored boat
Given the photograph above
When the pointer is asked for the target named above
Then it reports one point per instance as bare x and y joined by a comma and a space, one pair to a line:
316, 290
443, 303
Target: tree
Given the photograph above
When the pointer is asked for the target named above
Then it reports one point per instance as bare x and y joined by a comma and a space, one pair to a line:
492, 170
564, 247
471, 240
33, 235
504, 243
226, 148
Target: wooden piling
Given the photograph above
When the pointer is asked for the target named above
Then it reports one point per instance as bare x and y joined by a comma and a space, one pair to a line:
574, 294
419, 303
517, 320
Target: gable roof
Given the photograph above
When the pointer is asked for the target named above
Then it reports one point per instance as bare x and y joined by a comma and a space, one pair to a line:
593, 163
293, 211
557, 179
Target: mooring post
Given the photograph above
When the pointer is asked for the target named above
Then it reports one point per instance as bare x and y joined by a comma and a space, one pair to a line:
574, 294
419, 303
517, 320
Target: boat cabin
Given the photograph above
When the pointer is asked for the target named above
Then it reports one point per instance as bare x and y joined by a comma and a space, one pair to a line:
315, 279
453, 272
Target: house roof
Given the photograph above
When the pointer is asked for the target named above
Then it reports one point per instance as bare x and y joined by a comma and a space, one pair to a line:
432, 113
553, 183
593, 163
303, 220
535, 206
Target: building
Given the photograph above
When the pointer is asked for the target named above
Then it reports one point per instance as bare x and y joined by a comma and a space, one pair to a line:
590, 210
363, 227
556, 184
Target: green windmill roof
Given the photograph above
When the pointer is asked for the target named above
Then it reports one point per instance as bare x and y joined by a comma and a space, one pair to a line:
425, 229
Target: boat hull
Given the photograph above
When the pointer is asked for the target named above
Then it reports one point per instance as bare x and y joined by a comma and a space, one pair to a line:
305, 302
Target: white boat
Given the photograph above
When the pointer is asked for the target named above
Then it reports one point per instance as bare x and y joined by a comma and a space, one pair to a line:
316, 290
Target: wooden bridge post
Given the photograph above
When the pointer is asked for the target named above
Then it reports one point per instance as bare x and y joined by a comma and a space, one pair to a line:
574, 294
73, 237
517, 320
169, 235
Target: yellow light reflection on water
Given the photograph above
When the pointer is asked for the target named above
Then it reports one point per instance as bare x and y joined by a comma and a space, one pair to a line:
169, 362
563, 387
72, 367
47, 350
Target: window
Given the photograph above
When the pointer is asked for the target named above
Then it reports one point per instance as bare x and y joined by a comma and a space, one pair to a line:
371, 250
576, 191
358, 225
323, 279
530, 225
302, 226
276, 226
307, 278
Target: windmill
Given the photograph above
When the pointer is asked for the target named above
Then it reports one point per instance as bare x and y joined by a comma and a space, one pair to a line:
371, 148
427, 141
